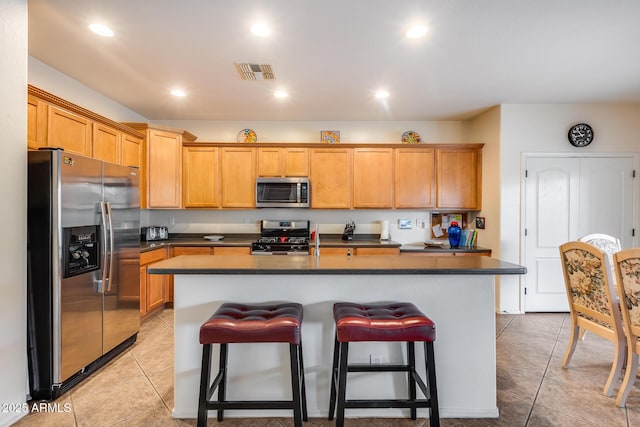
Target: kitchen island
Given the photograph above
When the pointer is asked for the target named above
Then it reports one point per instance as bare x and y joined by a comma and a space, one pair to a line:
457, 293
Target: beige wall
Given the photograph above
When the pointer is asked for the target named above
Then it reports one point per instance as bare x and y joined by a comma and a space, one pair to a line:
13, 215
542, 128
486, 128
309, 131
53, 81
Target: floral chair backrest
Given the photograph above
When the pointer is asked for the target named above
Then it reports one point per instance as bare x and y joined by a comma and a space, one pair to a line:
627, 267
586, 279
608, 244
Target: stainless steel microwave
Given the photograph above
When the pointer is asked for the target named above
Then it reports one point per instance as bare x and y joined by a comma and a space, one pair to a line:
290, 192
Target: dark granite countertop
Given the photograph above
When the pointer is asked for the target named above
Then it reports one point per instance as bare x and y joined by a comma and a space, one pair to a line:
328, 241
421, 247
363, 264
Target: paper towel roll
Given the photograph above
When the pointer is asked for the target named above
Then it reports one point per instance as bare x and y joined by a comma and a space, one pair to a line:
384, 230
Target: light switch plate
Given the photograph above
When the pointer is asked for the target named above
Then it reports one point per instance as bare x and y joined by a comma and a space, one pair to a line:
405, 223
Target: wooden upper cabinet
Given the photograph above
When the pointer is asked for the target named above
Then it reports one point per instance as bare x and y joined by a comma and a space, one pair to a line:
414, 179
107, 143
164, 169
238, 177
69, 131
330, 177
200, 177
458, 178
283, 161
296, 161
372, 177
36, 123
131, 150
270, 161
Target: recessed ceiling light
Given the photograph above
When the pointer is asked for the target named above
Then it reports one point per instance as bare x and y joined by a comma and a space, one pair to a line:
280, 94
416, 31
260, 30
101, 30
178, 92
382, 94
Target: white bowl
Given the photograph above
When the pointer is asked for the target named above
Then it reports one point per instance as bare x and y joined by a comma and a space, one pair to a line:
214, 238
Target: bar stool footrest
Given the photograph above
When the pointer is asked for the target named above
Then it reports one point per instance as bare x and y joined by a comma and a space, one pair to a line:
250, 404
378, 368
389, 403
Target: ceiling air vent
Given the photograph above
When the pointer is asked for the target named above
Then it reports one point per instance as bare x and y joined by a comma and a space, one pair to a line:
250, 71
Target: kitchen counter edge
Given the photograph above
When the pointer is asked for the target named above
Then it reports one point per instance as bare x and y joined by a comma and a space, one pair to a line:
349, 265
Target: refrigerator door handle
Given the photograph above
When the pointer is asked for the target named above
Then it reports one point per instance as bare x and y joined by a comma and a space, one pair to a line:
105, 248
111, 238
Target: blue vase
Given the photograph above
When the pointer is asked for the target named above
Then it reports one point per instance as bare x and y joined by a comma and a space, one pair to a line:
454, 231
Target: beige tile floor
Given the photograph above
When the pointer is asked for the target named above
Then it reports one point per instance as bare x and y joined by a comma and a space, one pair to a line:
136, 389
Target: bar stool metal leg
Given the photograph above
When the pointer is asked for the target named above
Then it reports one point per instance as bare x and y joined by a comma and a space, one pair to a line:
334, 376
204, 385
223, 379
295, 385
411, 358
342, 382
434, 414
303, 386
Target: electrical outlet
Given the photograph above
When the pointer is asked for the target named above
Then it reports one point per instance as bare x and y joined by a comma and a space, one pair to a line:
172, 221
375, 359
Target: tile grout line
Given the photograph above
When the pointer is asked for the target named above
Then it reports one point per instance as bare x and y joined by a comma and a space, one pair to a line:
546, 368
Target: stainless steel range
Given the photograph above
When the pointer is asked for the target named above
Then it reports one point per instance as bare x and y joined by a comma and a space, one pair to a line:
279, 237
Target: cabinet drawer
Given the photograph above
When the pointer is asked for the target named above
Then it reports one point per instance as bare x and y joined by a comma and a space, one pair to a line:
231, 250
377, 251
192, 250
152, 256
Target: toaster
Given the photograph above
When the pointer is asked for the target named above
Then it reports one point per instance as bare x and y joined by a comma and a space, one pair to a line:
154, 232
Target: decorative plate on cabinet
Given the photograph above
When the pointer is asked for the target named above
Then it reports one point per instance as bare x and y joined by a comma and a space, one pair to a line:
247, 135
411, 137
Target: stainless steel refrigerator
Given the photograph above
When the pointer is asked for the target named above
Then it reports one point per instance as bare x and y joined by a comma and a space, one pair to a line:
83, 267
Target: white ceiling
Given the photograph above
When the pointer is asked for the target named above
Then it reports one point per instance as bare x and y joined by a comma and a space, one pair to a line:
331, 55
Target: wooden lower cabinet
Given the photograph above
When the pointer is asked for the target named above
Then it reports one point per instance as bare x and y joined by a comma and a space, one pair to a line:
191, 250
199, 250
355, 251
446, 254
377, 251
231, 250
152, 286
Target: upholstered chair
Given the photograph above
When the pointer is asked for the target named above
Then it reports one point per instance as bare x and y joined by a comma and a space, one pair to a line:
592, 303
626, 265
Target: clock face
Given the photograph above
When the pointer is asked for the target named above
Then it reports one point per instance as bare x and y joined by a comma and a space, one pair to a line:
580, 135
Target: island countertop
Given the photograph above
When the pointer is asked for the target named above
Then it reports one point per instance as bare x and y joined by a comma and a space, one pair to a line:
311, 265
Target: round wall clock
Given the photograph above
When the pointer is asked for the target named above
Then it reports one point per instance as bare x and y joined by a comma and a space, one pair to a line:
580, 135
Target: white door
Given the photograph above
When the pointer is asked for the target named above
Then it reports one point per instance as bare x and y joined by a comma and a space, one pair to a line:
606, 198
566, 198
551, 218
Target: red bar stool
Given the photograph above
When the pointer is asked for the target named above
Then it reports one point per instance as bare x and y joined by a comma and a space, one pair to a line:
243, 323
383, 322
